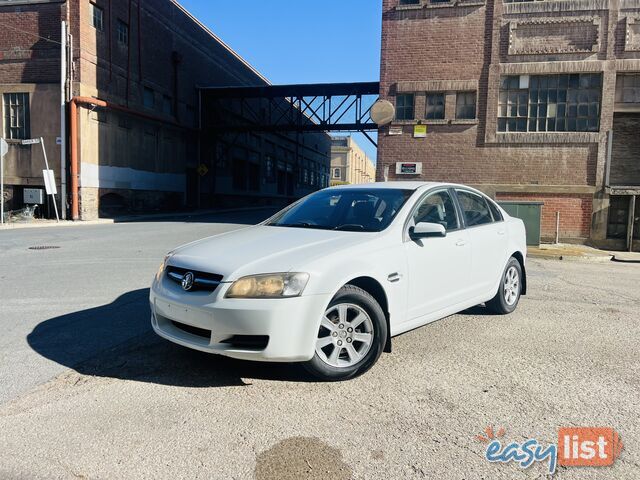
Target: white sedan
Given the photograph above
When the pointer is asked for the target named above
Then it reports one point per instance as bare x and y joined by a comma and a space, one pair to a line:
330, 279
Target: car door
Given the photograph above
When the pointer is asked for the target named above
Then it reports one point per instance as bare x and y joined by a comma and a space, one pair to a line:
438, 267
488, 238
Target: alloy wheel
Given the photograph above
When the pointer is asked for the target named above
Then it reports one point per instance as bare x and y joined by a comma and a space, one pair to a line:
345, 335
511, 285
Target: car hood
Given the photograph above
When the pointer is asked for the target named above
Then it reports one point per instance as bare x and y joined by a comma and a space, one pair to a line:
263, 249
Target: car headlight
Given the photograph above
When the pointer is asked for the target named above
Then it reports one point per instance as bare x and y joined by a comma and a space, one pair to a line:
271, 285
163, 266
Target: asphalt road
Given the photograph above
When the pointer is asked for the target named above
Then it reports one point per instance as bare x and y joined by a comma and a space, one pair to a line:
87, 390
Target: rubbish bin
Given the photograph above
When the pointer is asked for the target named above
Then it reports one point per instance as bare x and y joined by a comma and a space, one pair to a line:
530, 213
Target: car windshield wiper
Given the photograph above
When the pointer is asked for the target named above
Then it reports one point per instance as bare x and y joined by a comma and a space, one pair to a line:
353, 227
299, 225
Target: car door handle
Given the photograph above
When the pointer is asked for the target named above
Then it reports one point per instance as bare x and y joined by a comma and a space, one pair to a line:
394, 277
461, 243
501, 232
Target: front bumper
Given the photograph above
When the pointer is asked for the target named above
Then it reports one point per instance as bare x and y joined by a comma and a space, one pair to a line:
289, 326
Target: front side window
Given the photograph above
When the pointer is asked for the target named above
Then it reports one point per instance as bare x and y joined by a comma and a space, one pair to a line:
97, 17
435, 106
356, 210
405, 106
16, 116
474, 208
439, 208
550, 103
466, 105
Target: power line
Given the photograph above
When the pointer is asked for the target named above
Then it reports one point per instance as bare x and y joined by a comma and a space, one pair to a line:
30, 33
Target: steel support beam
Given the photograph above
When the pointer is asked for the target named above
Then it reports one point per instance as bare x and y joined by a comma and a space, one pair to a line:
289, 108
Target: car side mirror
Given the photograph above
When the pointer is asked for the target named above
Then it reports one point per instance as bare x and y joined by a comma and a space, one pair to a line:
425, 230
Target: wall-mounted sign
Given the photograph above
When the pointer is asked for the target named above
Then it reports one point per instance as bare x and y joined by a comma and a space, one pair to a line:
408, 168
419, 131
397, 130
30, 141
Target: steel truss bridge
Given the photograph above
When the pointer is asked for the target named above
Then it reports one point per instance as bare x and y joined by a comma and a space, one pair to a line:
338, 107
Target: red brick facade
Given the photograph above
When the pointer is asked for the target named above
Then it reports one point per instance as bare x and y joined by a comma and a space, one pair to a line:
128, 161
448, 48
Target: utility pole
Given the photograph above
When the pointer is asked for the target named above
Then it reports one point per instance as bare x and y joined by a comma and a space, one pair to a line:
63, 122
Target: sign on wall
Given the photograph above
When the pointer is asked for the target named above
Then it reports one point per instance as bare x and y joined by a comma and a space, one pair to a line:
419, 131
408, 168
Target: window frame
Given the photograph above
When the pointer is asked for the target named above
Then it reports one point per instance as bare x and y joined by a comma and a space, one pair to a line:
567, 92
427, 105
461, 94
122, 32
24, 131
405, 107
338, 171
97, 9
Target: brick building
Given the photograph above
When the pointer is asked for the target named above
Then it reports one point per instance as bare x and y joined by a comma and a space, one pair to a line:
139, 150
526, 100
349, 162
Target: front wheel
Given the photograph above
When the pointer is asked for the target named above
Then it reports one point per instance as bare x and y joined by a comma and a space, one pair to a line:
508, 296
351, 337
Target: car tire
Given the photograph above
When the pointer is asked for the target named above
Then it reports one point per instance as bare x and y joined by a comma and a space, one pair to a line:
508, 295
348, 307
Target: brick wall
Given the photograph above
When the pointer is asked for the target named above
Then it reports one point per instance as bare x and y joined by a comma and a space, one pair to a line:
453, 47
575, 213
24, 56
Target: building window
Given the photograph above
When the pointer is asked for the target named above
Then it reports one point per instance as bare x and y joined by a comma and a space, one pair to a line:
123, 33
409, 2
148, 97
435, 106
336, 173
97, 17
167, 105
16, 116
628, 88
466, 105
404, 106
550, 103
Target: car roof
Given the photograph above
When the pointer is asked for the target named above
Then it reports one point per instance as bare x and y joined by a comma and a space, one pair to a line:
402, 185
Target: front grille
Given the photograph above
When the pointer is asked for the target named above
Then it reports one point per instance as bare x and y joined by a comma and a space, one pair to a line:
200, 332
202, 281
249, 342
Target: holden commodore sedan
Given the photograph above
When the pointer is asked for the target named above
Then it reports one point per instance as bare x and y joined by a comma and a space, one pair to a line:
330, 279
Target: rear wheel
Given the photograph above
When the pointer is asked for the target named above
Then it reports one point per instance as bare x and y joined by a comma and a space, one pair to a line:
351, 337
508, 296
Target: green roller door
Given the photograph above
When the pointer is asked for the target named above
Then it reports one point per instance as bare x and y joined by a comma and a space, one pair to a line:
530, 213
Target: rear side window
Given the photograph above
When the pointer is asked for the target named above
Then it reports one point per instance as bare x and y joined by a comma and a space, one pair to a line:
495, 211
475, 208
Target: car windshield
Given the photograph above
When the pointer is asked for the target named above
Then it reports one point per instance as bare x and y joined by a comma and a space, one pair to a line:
356, 210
